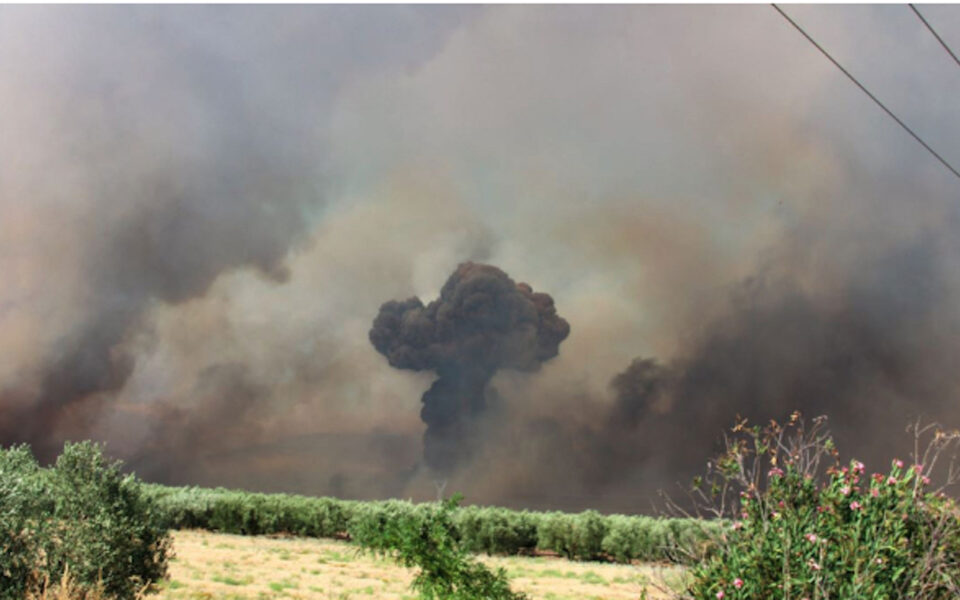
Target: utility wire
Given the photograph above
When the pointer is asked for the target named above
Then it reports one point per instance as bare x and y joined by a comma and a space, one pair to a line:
867, 92
939, 39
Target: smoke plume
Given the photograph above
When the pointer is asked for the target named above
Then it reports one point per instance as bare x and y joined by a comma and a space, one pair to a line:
202, 208
482, 322
871, 354
156, 151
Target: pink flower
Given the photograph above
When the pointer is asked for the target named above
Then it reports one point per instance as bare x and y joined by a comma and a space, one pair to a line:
925, 480
813, 565
898, 463
858, 467
845, 490
874, 492
854, 505
811, 537
738, 583
737, 525
891, 480
775, 472
721, 595
918, 468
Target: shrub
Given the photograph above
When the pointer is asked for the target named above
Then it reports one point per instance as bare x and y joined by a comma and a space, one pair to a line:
82, 516
22, 498
245, 513
800, 530
371, 521
631, 537
575, 536
425, 537
496, 530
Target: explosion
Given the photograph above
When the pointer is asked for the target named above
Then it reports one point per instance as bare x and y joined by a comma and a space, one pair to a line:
482, 322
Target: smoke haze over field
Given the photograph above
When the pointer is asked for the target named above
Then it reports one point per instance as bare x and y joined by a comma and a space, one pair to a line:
202, 210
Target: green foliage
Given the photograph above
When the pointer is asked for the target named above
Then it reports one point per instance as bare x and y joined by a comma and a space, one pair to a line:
630, 537
845, 535
22, 497
246, 513
81, 515
427, 538
497, 530
578, 536
493, 530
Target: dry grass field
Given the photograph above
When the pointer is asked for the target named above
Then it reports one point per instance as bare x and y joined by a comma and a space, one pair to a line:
217, 566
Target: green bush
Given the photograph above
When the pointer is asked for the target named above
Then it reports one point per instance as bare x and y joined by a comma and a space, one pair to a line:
632, 537
23, 495
82, 514
370, 520
575, 536
496, 530
425, 537
246, 513
845, 535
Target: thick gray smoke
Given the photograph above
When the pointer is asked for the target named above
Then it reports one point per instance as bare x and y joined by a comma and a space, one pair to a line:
481, 323
169, 251
873, 355
873, 348
159, 149
202, 207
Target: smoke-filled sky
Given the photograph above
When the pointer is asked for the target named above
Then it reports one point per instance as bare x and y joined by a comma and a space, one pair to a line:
202, 210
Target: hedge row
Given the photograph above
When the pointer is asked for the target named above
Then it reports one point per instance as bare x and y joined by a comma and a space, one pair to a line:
584, 536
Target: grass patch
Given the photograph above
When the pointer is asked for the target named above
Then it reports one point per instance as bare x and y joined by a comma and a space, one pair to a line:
228, 580
279, 586
593, 579
328, 570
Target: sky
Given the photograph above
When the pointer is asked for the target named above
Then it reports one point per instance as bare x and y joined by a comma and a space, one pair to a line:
202, 209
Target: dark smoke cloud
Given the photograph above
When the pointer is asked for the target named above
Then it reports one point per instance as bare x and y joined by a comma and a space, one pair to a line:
202, 207
873, 350
224, 397
173, 146
169, 251
481, 323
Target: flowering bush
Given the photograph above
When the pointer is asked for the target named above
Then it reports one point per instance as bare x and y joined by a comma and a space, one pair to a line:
802, 526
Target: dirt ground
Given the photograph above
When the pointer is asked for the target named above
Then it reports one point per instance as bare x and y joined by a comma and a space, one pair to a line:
217, 566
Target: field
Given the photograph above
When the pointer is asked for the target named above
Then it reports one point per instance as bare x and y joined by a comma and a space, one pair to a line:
223, 566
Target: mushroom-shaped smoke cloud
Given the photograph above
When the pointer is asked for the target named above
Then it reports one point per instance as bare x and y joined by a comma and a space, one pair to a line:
482, 322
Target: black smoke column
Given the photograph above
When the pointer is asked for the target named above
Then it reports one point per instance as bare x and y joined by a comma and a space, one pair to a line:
482, 322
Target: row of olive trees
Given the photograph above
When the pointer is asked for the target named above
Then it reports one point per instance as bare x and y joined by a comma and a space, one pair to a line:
584, 536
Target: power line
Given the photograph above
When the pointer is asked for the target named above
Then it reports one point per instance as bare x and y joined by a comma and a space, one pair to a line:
867, 92
939, 39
